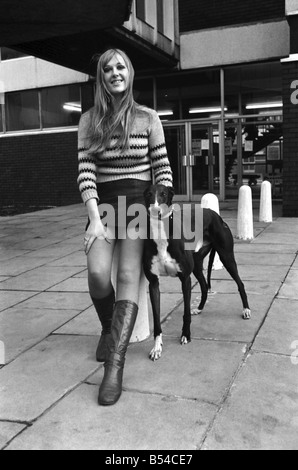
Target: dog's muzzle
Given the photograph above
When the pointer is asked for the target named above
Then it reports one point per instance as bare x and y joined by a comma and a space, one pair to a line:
155, 211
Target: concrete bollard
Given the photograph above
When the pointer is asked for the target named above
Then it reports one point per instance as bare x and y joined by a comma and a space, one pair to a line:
210, 201
266, 202
245, 227
142, 329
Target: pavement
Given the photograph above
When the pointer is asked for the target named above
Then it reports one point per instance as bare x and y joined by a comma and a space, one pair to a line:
234, 387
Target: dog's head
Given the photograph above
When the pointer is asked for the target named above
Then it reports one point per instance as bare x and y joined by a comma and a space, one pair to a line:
158, 199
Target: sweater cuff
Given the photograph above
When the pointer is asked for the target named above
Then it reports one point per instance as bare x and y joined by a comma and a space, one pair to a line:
90, 194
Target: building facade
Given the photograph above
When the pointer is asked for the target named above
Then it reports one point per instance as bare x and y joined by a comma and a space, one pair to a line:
226, 93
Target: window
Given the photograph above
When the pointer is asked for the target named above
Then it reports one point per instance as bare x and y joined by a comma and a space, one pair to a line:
8, 54
141, 9
160, 16
61, 106
143, 92
22, 110
1, 119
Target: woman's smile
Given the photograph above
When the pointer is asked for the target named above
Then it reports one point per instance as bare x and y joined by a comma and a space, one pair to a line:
116, 75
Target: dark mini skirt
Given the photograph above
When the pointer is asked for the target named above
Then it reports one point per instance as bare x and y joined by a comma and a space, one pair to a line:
116, 197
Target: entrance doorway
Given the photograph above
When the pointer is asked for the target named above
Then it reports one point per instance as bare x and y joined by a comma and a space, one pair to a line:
193, 149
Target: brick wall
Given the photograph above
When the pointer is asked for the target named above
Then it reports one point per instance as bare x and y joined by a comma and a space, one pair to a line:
290, 164
203, 14
39, 169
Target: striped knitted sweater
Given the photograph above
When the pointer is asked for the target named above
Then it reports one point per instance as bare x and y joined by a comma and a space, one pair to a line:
146, 150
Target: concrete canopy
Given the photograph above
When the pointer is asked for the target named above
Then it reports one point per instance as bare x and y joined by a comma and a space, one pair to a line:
34, 20
71, 32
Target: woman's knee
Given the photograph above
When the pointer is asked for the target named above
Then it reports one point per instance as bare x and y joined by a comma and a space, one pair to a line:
99, 280
128, 276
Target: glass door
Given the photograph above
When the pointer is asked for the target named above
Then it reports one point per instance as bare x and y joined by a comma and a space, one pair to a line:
204, 178
178, 149
193, 150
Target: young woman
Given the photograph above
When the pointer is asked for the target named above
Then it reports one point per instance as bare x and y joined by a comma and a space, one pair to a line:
120, 145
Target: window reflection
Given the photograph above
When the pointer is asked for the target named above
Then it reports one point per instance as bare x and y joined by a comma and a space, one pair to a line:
61, 106
22, 111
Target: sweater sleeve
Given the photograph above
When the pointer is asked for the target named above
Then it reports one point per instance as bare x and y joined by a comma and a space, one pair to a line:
158, 153
87, 163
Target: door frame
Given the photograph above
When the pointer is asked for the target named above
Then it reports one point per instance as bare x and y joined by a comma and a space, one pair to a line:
188, 158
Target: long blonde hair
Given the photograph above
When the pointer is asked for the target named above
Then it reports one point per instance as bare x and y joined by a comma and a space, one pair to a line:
105, 120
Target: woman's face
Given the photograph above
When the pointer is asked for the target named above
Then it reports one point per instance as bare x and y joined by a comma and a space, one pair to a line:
116, 75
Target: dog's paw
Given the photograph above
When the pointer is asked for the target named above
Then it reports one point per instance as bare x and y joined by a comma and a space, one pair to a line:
246, 314
156, 352
184, 340
196, 311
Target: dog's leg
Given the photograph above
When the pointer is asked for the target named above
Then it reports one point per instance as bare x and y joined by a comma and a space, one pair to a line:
154, 291
186, 288
229, 262
198, 272
210, 266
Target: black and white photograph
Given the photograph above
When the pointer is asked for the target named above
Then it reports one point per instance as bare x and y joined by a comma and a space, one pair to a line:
149, 227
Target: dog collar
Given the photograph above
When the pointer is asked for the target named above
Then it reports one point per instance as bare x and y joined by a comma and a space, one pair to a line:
174, 208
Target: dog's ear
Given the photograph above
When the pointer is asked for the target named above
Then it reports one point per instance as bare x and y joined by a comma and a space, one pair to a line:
171, 193
147, 192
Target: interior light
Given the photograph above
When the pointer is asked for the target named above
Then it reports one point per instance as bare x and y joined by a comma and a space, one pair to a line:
73, 107
216, 109
166, 112
276, 104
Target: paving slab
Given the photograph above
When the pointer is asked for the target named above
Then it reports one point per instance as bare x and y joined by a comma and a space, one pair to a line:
152, 422
295, 264
261, 412
74, 259
39, 279
53, 252
289, 289
264, 259
283, 226
222, 319
22, 328
33, 244
58, 300
43, 375
74, 284
87, 323
8, 431
265, 248
229, 286
255, 273
9, 298
201, 370
20, 265
11, 254
280, 330
276, 238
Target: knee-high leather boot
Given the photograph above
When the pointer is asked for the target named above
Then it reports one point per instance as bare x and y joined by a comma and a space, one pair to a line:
124, 318
104, 308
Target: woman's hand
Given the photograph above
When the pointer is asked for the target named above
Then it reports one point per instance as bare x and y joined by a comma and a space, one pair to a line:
95, 231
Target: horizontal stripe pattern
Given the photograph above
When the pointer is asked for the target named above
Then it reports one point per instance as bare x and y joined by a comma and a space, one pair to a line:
146, 152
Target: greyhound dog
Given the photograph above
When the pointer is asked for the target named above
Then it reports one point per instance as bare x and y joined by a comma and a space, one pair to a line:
165, 255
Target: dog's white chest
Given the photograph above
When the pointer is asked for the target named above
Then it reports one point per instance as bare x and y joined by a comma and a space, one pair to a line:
162, 264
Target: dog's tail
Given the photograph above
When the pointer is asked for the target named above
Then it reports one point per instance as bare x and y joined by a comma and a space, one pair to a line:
210, 265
